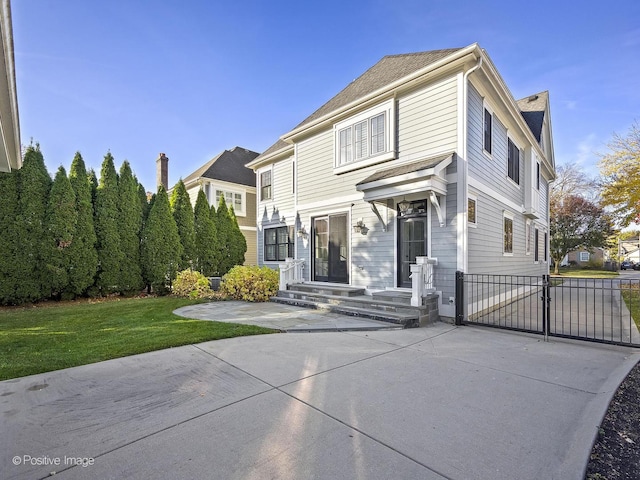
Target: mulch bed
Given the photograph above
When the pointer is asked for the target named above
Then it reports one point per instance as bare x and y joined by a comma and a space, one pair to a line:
616, 453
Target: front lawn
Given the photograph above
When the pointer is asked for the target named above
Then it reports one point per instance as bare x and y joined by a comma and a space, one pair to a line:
49, 337
573, 272
631, 294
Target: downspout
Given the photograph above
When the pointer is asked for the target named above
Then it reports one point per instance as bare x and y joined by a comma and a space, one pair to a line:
464, 230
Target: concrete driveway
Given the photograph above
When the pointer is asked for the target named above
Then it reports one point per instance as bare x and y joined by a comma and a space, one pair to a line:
430, 403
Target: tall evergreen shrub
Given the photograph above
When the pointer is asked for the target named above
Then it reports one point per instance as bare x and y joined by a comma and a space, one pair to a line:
60, 223
224, 226
9, 270
161, 248
184, 217
129, 227
83, 246
206, 239
239, 242
34, 184
110, 254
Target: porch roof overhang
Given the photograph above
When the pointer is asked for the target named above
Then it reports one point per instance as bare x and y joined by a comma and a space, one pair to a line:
426, 175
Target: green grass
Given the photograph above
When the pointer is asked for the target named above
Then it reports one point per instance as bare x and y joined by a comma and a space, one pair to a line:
585, 273
49, 337
631, 296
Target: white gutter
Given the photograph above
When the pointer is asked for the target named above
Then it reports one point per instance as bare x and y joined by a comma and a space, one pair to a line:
463, 172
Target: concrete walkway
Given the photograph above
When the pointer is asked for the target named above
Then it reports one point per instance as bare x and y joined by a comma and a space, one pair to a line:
430, 403
285, 318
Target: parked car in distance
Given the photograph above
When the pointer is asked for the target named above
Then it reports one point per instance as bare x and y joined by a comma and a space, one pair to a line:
626, 264
636, 266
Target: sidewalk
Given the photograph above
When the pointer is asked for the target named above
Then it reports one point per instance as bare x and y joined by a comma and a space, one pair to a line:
431, 403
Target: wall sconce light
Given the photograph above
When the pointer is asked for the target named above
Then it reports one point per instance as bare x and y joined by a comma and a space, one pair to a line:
360, 227
302, 233
403, 206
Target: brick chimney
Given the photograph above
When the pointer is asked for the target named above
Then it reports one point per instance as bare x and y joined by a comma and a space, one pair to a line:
162, 171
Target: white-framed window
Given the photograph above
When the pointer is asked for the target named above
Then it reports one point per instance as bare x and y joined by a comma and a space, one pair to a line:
536, 243
527, 237
278, 243
513, 161
507, 233
472, 211
584, 256
366, 138
266, 181
537, 175
487, 130
233, 199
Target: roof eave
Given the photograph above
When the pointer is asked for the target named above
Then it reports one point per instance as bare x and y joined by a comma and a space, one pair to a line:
386, 90
270, 158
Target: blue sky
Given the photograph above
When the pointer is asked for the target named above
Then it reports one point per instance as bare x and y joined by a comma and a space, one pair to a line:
192, 78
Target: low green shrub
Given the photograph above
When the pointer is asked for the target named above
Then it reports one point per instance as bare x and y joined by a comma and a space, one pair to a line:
192, 284
250, 283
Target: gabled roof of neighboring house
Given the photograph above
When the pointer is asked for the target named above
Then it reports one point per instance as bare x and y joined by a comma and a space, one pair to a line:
533, 108
228, 166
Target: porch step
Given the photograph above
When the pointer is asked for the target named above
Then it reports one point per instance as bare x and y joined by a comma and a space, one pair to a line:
393, 308
338, 290
403, 319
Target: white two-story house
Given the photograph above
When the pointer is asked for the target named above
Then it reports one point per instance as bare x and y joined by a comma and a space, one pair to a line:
424, 155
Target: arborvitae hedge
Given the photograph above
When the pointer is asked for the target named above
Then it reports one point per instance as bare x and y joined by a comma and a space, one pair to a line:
34, 184
129, 226
239, 243
206, 238
224, 226
60, 223
183, 215
161, 248
8, 238
83, 246
110, 255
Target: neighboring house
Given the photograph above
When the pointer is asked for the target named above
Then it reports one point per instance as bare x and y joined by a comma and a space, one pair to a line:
226, 175
425, 154
10, 154
583, 257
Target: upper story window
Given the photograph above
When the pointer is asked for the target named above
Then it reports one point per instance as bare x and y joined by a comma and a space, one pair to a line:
265, 185
365, 139
513, 163
362, 140
537, 175
233, 199
488, 129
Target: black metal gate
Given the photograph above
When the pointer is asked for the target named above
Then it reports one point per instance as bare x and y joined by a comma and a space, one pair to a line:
598, 310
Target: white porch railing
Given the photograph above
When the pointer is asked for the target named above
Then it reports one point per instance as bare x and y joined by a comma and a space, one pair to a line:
291, 272
422, 280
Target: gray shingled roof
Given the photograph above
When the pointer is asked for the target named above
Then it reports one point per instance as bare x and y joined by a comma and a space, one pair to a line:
389, 69
532, 109
404, 169
229, 166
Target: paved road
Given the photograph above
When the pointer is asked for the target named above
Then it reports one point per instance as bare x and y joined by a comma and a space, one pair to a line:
431, 403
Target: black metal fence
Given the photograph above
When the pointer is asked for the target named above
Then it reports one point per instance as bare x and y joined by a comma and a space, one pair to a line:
598, 310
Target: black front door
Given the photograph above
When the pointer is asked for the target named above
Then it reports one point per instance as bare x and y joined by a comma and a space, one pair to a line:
331, 250
412, 243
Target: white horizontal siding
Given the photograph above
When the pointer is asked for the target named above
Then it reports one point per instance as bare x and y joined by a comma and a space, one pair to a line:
427, 119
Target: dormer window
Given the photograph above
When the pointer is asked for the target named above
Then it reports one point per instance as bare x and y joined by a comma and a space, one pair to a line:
365, 139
